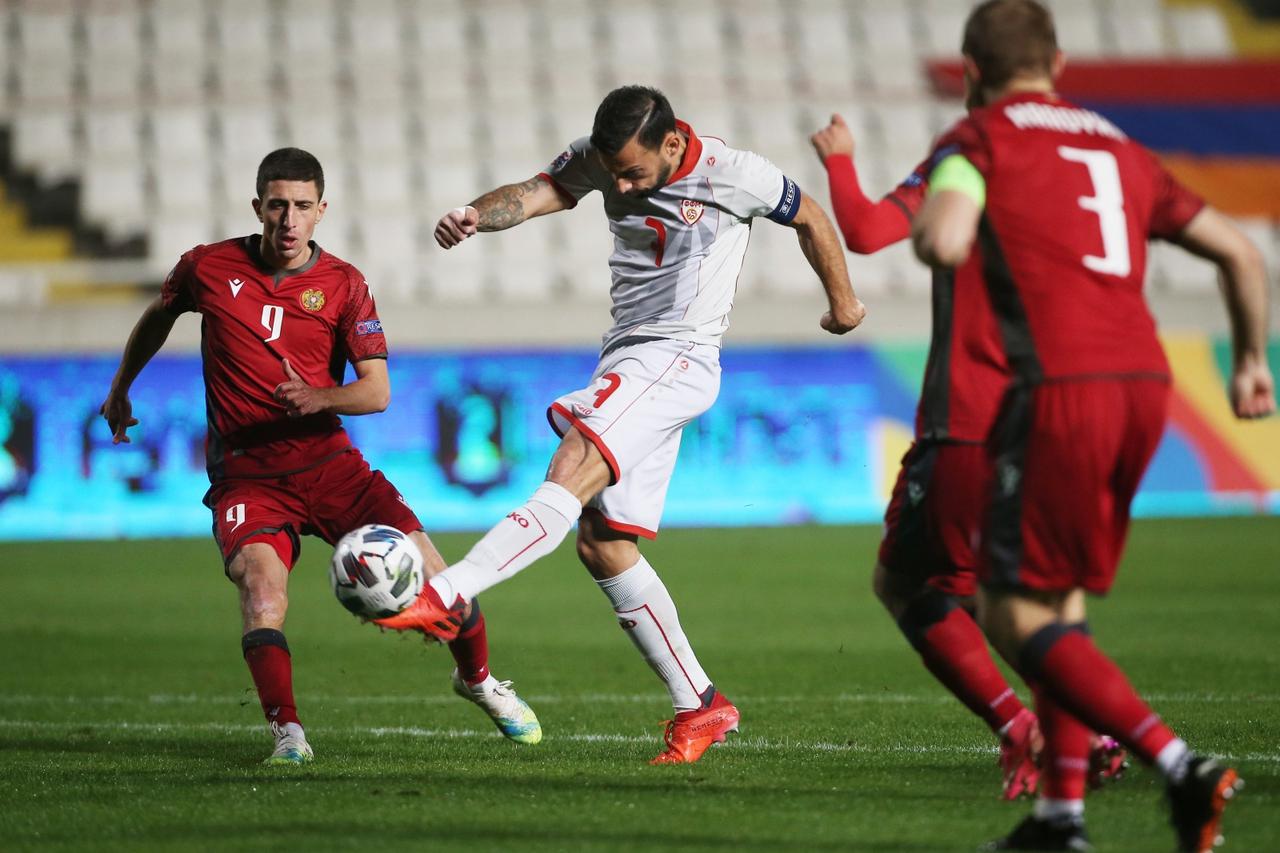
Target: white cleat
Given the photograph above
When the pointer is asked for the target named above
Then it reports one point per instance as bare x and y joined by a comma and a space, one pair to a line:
291, 745
511, 714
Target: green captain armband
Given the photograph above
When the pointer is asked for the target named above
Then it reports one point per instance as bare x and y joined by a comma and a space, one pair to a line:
958, 174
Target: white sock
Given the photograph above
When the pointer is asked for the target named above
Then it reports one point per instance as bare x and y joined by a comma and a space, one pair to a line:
646, 612
526, 534
1056, 811
1172, 760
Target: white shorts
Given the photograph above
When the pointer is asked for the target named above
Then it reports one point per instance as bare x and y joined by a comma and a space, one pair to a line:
638, 402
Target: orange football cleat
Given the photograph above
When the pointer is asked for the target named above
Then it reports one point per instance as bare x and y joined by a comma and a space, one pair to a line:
429, 615
691, 732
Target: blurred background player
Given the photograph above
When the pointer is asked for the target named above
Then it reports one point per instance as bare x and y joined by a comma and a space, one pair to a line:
281, 318
925, 574
1061, 204
680, 208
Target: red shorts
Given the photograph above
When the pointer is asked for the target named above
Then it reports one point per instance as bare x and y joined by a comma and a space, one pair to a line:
934, 516
1069, 456
328, 500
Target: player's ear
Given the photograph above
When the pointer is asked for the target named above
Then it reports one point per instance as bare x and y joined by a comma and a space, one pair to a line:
257, 208
321, 208
671, 144
1058, 65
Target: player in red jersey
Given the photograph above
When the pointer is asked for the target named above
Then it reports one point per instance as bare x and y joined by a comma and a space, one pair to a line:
281, 318
1044, 210
925, 574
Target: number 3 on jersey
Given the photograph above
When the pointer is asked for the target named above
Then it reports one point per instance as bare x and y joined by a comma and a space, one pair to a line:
1107, 203
272, 321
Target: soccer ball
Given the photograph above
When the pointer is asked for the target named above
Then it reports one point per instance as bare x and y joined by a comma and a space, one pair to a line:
376, 571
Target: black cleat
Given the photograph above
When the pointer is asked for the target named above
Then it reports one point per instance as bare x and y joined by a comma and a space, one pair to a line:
1196, 803
1038, 834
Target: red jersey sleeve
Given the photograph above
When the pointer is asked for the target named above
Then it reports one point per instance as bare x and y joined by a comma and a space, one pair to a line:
359, 329
1175, 205
870, 226
178, 292
967, 138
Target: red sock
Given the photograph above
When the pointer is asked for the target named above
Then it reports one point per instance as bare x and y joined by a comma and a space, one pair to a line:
955, 651
1088, 683
471, 649
267, 655
1065, 762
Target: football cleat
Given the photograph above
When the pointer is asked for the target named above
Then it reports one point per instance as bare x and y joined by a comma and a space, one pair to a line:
1108, 761
691, 732
1197, 802
1040, 834
291, 745
1020, 748
428, 615
511, 714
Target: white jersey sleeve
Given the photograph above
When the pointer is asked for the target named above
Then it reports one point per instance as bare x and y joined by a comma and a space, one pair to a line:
750, 186
576, 171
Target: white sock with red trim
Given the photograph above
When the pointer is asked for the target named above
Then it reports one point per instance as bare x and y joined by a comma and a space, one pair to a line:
526, 534
646, 612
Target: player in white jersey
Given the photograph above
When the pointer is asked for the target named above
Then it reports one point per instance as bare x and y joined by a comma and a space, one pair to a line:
680, 208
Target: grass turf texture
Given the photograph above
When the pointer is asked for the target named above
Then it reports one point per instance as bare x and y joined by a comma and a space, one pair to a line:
128, 719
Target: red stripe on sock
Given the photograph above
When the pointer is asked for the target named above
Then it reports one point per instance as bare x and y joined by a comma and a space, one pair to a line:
471, 652
272, 671
955, 651
1089, 684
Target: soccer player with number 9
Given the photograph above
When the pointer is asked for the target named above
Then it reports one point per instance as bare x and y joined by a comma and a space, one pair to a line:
281, 319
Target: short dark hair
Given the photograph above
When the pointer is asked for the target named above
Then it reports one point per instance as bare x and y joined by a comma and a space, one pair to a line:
290, 164
639, 111
1005, 38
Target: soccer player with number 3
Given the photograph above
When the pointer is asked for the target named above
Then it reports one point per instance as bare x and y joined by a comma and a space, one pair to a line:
281, 319
1044, 209
680, 208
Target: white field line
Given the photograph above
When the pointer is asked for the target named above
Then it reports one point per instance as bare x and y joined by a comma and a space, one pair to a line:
443, 698
750, 744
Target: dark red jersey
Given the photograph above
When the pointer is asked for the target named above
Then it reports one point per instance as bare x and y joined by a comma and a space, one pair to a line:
319, 316
1062, 244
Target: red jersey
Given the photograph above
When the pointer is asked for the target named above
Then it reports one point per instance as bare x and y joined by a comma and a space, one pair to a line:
1062, 244
319, 316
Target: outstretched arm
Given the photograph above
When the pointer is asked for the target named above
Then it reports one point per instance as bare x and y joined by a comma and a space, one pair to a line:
867, 226
822, 248
1244, 288
148, 335
500, 209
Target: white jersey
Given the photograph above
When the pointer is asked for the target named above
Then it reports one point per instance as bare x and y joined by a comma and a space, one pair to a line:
677, 253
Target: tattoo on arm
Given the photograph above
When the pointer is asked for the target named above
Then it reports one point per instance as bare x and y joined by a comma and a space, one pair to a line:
504, 207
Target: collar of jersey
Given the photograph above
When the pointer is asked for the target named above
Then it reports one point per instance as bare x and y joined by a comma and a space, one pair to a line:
692, 152
253, 246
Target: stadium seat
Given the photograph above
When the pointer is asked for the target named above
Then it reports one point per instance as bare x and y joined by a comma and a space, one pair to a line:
44, 142
180, 133
1078, 27
113, 197
1200, 31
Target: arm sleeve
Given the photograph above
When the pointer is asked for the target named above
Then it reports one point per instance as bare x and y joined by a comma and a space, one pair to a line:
756, 187
574, 173
967, 139
177, 294
1175, 205
359, 329
870, 226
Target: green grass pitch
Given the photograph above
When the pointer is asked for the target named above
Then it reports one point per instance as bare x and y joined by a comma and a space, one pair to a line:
128, 720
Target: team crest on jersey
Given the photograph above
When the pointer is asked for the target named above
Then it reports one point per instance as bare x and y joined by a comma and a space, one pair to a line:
690, 211
312, 300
